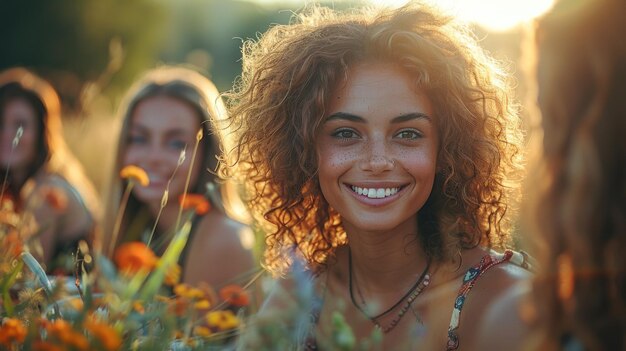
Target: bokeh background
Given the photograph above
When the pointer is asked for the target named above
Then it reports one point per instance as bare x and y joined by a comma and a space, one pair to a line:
92, 50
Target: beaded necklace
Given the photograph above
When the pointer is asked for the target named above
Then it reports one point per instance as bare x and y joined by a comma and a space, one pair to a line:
422, 282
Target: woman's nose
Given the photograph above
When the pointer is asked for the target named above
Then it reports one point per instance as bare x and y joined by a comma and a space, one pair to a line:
377, 163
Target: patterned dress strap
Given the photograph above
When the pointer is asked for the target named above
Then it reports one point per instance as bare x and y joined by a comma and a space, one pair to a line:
469, 280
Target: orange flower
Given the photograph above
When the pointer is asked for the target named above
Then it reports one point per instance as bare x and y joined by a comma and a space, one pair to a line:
7, 203
12, 330
55, 197
235, 295
172, 275
45, 346
138, 307
136, 174
62, 331
196, 201
13, 243
108, 337
222, 320
134, 256
179, 306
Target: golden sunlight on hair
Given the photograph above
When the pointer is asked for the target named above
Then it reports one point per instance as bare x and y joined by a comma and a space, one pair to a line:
494, 15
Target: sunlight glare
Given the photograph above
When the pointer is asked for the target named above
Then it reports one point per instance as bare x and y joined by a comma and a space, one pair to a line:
496, 15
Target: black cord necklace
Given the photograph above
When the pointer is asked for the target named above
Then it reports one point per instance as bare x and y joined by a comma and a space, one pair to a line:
411, 294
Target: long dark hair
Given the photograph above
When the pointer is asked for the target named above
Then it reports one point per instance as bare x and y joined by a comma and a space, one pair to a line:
581, 209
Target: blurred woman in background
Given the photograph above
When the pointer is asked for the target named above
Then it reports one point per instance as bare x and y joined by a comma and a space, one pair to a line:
40, 175
581, 212
161, 118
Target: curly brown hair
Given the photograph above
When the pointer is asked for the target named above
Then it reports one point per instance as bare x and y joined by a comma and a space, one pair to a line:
279, 102
581, 210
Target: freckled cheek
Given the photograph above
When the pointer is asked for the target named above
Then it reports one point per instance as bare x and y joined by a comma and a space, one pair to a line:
336, 159
424, 162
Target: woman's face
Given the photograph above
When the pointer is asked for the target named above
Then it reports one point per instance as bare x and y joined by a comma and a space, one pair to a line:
377, 149
160, 128
18, 112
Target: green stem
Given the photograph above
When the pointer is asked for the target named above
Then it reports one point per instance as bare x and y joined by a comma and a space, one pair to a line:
120, 215
193, 158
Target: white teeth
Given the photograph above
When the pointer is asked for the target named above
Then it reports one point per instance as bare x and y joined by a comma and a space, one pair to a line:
375, 193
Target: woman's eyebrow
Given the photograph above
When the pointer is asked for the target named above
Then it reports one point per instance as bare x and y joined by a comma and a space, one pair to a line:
355, 118
345, 116
411, 116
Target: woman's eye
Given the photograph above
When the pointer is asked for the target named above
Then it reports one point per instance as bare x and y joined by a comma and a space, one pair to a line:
177, 144
345, 134
137, 139
409, 134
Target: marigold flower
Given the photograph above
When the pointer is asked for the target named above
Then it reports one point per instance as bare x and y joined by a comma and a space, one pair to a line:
66, 335
134, 256
181, 289
8, 216
235, 295
172, 275
184, 290
134, 173
196, 201
55, 197
108, 337
222, 320
45, 346
202, 304
202, 331
138, 307
7, 203
76, 304
179, 306
13, 243
12, 330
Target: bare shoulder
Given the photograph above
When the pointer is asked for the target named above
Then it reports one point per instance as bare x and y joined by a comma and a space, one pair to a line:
499, 285
503, 326
217, 228
218, 252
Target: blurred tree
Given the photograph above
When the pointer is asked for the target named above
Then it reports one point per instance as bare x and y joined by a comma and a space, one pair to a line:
69, 42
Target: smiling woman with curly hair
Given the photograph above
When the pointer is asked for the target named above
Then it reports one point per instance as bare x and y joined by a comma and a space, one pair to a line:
383, 146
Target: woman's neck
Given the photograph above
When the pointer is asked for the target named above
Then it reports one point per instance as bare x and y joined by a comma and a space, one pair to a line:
384, 261
167, 217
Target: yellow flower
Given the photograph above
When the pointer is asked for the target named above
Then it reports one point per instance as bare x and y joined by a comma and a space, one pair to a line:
172, 275
202, 304
184, 290
181, 289
222, 320
136, 174
12, 330
134, 256
202, 331
195, 293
